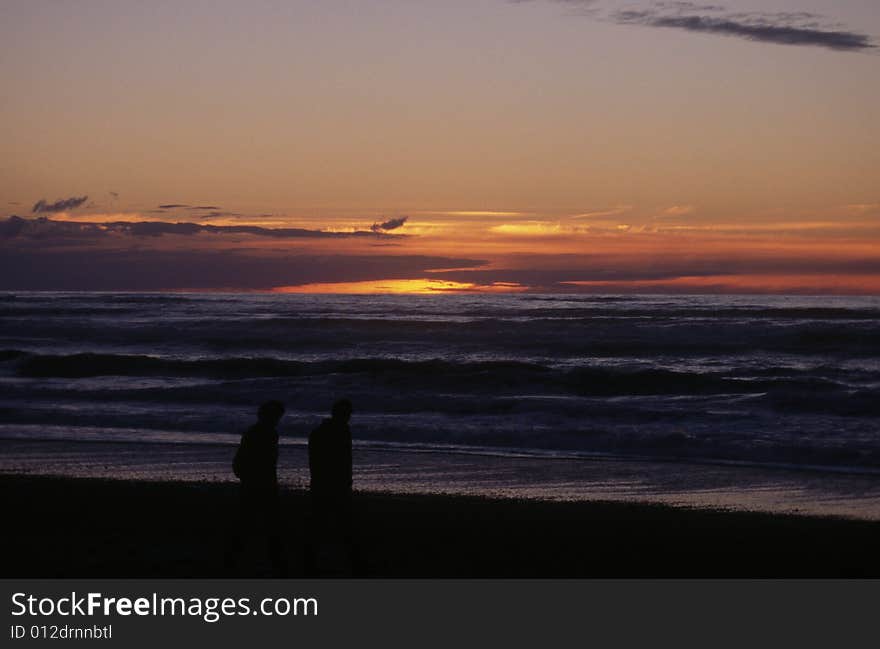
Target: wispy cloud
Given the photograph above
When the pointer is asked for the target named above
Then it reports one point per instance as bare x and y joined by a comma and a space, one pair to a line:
528, 228
604, 213
781, 28
585, 6
61, 205
185, 206
863, 208
475, 213
390, 224
557, 229
678, 210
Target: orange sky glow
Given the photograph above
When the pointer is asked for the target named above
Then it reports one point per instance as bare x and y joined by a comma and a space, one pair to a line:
438, 148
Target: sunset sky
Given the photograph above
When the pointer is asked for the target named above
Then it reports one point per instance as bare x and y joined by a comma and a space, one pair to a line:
441, 145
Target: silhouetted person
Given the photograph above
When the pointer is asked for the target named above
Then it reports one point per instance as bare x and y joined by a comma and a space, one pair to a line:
256, 466
331, 482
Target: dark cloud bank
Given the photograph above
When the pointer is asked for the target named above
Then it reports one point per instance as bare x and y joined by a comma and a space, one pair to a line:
44, 254
143, 269
45, 228
153, 270
65, 263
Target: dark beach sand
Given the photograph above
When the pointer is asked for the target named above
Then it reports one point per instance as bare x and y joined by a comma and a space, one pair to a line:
66, 527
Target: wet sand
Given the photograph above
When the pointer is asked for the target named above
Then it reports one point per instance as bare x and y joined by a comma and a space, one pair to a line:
77, 527
704, 485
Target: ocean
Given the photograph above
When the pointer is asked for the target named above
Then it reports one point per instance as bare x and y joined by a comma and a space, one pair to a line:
782, 385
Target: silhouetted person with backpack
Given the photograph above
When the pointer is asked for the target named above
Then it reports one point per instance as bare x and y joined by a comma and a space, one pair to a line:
256, 466
331, 483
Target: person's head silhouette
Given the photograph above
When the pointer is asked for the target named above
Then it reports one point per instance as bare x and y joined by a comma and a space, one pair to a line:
341, 411
270, 413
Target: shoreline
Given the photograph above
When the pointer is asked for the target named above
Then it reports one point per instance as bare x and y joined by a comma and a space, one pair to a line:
707, 486
202, 440
66, 527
